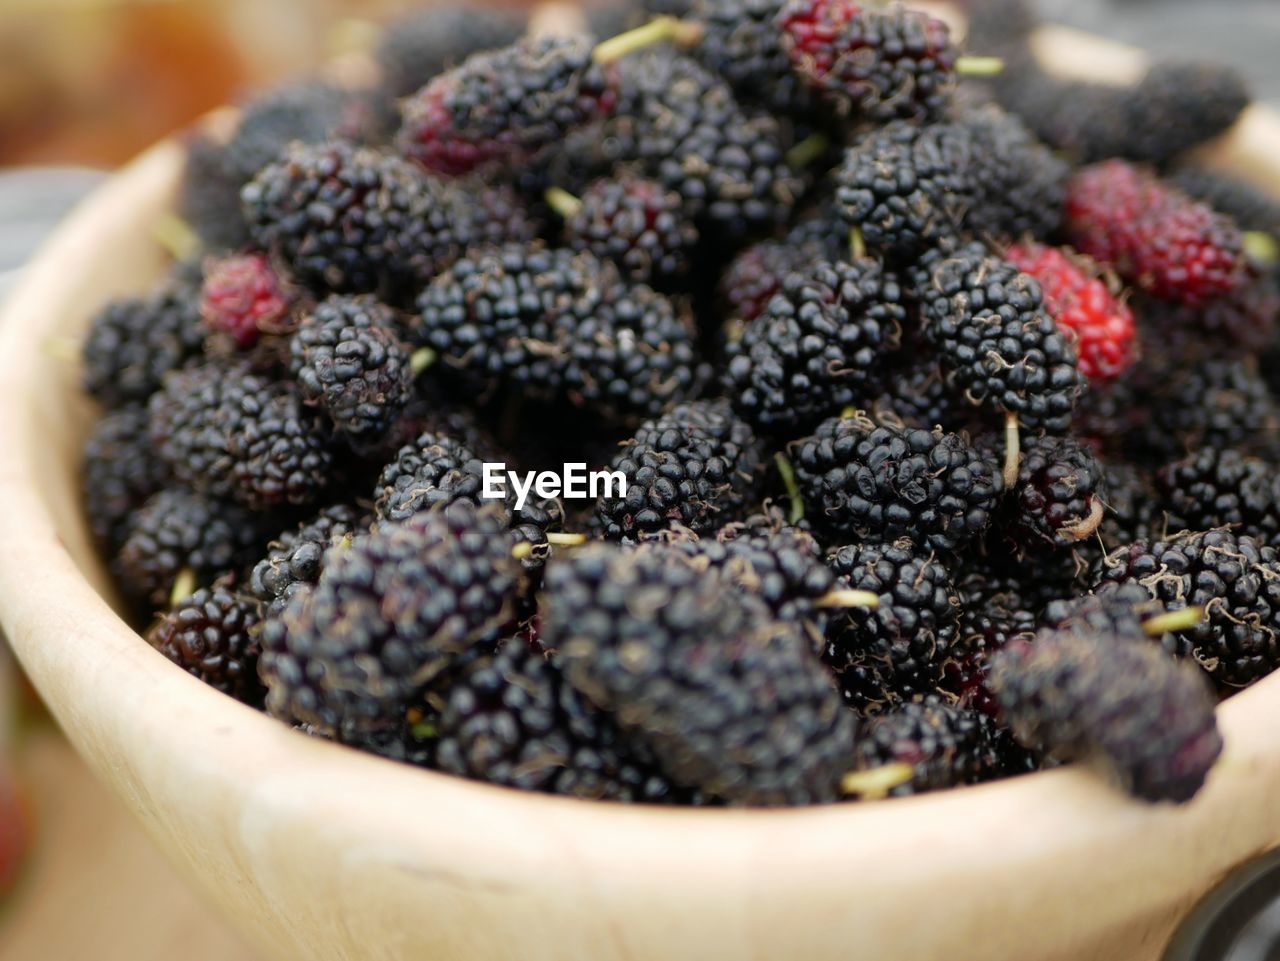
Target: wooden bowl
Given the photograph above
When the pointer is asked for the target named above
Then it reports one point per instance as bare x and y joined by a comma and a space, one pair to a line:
320, 852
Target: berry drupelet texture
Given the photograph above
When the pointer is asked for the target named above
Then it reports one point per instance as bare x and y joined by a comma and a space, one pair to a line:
503, 107
1084, 306
1152, 234
870, 64
698, 466
898, 649
637, 224
863, 480
389, 611
296, 558
416, 47
819, 345
243, 297
1115, 607
349, 361
560, 324
1221, 488
1233, 577
512, 719
728, 701
682, 127
1116, 699
1174, 107
213, 635
119, 471
1060, 494
996, 343
945, 746
178, 531
134, 341
240, 436
352, 219
1220, 403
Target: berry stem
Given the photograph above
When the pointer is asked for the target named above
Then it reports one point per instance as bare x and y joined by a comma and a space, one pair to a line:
1079, 530
421, 359
525, 548
857, 246
1012, 450
184, 585
1179, 620
849, 598
979, 66
876, 782
657, 30
66, 349
562, 202
807, 150
788, 475
1261, 248
176, 237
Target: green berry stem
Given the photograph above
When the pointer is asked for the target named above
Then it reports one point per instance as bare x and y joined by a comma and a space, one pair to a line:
876, 782
184, 585
788, 475
562, 202
1261, 247
807, 150
657, 30
1012, 450
176, 236
857, 245
421, 359
1180, 620
849, 598
979, 66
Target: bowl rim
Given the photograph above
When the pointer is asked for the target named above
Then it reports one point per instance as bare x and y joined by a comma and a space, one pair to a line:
148, 728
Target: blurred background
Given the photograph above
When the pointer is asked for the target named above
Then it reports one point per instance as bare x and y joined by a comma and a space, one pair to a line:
85, 85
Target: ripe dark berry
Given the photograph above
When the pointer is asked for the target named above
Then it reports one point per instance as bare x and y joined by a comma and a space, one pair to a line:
390, 610
213, 635
899, 649
355, 220
755, 275
1233, 577
1115, 607
503, 107
349, 362
1099, 323
178, 530
120, 470
1114, 699
697, 466
638, 224
993, 611
511, 719
1244, 321
296, 558
244, 296
560, 325
872, 64
1176, 106
996, 343
861, 480
134, 341
416, 47
1222, 488
1060, 494
945, 746
237, 435
1216, 403
727, 701
819, 345
1152, 234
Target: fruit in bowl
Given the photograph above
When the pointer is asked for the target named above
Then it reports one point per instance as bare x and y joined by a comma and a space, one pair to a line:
856, 535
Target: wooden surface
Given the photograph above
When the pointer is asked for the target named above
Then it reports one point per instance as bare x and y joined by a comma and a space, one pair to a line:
93, 886
323, 853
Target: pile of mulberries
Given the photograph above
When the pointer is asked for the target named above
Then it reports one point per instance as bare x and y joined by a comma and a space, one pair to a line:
926, 426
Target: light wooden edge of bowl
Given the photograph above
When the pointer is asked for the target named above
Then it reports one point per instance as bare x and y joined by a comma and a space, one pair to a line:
157, 734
